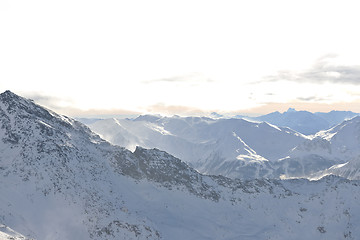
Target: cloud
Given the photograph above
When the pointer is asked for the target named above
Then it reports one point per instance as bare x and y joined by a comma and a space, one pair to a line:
101, 113
323, 71
192, 78
312, 99
48, 101
66, 107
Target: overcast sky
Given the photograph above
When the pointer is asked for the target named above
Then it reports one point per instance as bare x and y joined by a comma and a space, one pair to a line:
184, 57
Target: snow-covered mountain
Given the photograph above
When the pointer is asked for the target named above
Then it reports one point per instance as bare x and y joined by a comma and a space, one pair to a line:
61, 181
338, 146
238, 148
231, 147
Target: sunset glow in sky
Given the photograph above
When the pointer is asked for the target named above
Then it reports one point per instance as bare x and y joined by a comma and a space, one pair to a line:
85, 57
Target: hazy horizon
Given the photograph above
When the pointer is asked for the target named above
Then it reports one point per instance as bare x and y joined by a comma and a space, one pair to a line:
83, 58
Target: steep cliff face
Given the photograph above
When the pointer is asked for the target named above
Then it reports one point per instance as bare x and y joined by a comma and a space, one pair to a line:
61, 181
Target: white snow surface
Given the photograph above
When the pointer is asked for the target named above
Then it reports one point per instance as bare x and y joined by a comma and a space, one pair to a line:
7, 233
61, 181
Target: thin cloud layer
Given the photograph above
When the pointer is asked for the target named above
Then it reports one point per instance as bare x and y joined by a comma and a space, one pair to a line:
68, 108
323, 71
191, 78
48, 101
312, 99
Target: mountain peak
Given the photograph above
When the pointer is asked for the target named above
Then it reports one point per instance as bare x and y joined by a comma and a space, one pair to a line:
215, 115
148, 117
8, 95
291, 110
13, 104
8, 92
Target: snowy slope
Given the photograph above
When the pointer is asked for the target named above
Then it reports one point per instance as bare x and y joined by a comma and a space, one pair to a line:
341, 143
344, 138
7, 233
326, 153
61, 181
230, 147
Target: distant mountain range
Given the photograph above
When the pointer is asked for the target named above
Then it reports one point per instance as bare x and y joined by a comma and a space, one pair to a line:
230, 147
60, 181
238, 148
306, 122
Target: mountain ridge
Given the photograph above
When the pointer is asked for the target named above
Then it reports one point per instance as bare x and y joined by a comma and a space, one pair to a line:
306, 122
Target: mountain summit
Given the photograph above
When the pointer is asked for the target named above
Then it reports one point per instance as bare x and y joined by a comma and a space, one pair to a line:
291, 110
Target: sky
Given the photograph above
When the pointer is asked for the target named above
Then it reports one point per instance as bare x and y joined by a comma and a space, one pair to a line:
92, 58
